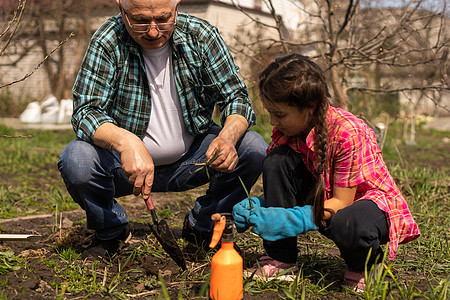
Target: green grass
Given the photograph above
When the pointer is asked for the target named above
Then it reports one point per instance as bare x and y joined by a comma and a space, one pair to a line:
431, 150
263, 127
30, 178
8, 262
30, 184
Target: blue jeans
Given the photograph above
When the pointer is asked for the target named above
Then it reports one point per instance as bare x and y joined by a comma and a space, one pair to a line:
94, 178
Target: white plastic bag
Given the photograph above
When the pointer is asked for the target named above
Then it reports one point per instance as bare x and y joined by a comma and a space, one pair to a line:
32, 114
50, 110
65, 111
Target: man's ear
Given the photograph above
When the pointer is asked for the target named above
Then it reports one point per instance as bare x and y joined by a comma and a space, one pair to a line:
118, 2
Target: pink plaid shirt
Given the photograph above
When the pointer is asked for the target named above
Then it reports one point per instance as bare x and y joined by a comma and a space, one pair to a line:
355, 159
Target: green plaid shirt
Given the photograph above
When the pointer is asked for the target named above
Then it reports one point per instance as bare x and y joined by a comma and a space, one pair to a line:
112, 84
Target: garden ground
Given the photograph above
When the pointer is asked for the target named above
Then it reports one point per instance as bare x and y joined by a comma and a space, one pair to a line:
51, 267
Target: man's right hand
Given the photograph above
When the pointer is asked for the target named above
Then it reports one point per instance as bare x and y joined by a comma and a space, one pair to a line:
138, 166
137, 163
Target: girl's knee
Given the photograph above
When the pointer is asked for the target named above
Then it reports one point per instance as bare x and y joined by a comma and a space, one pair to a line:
358, 225
343, 230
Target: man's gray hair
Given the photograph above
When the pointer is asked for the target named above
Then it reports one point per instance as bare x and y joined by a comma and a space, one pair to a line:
127, 3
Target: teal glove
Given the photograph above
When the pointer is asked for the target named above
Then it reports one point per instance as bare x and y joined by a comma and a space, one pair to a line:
275, 223
241, 212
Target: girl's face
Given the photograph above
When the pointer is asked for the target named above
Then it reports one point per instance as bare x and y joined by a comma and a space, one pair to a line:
289, 119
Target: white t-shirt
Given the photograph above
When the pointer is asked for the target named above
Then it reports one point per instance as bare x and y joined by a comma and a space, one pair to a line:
167, 138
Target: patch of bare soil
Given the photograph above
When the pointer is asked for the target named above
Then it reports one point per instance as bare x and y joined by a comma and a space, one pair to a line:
37, 280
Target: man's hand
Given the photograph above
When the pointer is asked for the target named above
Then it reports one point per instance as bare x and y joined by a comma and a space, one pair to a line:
138, 166
227, 158
137, 163
225, 143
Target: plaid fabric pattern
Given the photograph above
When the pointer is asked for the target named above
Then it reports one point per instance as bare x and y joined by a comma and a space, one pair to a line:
112, 84
354, 159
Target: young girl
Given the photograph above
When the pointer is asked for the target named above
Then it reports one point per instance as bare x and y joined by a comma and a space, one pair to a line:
324, 170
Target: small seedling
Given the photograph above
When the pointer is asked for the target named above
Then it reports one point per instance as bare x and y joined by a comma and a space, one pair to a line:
206, 164
247, 193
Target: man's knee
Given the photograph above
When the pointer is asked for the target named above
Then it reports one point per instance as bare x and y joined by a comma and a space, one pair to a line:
77, 161
253, 148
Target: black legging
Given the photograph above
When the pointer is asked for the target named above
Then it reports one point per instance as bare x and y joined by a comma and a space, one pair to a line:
355, 229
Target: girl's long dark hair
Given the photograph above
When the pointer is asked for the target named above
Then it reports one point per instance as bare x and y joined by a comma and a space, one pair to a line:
299, 82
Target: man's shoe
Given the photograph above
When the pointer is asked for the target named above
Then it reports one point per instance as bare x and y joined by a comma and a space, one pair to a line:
195, 237
105, 249
267, 269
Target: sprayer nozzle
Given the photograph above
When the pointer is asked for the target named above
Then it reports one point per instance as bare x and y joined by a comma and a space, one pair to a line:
219, 225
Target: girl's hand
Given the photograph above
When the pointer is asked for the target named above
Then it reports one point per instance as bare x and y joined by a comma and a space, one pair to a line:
241, 212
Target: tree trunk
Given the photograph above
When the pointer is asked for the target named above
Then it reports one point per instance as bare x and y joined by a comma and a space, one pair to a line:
339, 94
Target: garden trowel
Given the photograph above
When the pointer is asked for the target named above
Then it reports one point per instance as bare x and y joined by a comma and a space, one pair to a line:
165, 237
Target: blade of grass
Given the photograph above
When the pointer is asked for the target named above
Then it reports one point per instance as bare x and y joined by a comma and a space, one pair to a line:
247, 193
207, 163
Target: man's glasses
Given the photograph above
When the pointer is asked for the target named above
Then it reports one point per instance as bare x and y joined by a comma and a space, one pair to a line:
144, 28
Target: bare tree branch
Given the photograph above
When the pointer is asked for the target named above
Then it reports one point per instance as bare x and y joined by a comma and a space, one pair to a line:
16, 136
395, 51
15, 23
250, 17
39, 64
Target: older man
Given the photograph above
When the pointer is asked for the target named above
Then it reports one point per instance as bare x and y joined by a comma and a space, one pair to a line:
143, 105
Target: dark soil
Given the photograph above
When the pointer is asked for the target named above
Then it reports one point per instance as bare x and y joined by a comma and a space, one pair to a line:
38, 279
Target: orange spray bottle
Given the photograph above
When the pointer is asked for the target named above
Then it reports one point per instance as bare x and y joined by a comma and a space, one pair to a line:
226, 265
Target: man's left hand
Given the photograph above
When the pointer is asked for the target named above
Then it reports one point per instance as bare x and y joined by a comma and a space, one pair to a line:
224, 144
227, 157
